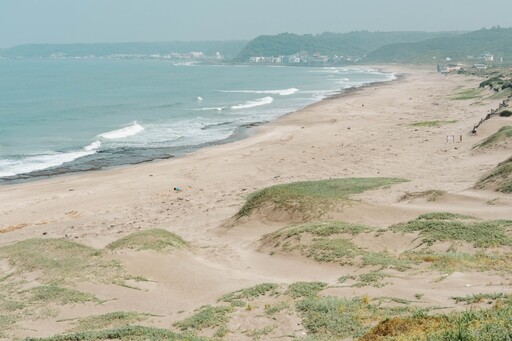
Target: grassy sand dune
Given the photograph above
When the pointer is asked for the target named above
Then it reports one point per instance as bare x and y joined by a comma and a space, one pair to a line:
308, 200
499, 179
154, 239
500, 139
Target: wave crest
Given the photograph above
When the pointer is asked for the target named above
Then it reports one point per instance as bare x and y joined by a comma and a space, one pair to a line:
283, 92
134, 129
255, 103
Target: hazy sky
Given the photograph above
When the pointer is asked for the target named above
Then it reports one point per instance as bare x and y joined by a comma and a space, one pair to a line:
66, 21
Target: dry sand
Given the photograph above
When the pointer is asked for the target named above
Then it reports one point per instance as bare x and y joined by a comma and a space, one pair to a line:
366, 133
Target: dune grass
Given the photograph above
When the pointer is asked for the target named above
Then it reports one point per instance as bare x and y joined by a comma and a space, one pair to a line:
330, 242
479, 298
111, 320
430, 195
126, 333
449, 227
468, 94
324, 229
470, 325
54, 293
61, 261
334, 318
432, 124
444, 216
500, 177
305, 289
449, 262
155, 239
310, 197
249, 293
206, 317
503, 134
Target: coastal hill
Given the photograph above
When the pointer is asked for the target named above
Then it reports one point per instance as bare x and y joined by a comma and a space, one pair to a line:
457, 48
352, 44
228, 49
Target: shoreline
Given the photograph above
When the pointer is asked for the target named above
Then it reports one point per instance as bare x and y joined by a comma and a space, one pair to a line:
242, 132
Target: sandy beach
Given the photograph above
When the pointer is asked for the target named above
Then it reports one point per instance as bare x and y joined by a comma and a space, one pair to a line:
366, 133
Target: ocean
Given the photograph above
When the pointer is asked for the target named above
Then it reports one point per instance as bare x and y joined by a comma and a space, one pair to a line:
61, 116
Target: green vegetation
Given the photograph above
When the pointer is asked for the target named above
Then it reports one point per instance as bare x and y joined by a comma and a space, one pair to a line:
471, 325
373, 278
312, 198
228, 48
502, 135
448, 227
271, 309
497, 83
457, 48
206, 317
444, 216
305, 289
478, 298
249, 293
330, 243
505, 113
126, 333
500, 177
346, 44
111, 320
449, 262
154, 239
62, 261
325, 229
6, 322
430, 195
468, 94
258, 333
57, 294
333, 318
432, 124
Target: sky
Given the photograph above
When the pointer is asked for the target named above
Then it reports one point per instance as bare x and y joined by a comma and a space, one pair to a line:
87, 21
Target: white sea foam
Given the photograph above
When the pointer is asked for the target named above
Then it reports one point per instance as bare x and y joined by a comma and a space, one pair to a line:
282, 92
210, 109
134, 129
93, 146
255, 103
199, 98
12, 167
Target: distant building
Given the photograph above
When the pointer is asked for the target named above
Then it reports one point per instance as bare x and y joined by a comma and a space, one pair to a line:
480, 66
488, 57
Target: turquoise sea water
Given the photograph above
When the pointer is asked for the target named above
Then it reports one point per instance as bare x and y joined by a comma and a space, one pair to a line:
59, 116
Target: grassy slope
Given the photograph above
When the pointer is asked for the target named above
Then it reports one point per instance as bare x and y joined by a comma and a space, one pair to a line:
500, 178
312, 198
154, 239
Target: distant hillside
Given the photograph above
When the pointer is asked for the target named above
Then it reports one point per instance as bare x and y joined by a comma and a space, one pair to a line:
352, 44
228, 48
497, 41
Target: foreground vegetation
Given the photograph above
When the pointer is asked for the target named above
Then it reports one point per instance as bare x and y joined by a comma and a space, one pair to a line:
56, 266
338, 242
129, 333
